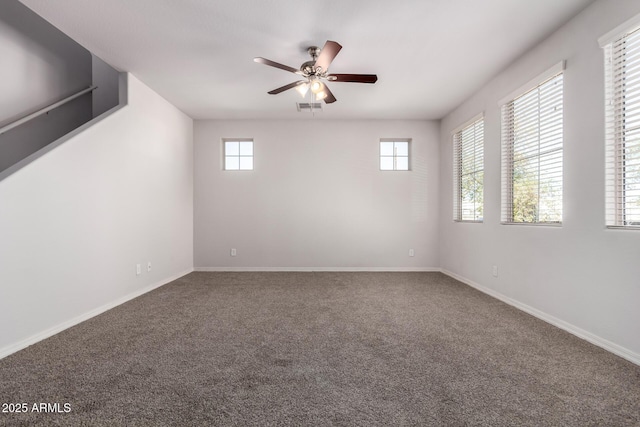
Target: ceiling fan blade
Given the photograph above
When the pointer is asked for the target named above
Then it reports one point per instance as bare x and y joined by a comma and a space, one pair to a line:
328, 52
353, 78
271, 63
329, 99
286, 87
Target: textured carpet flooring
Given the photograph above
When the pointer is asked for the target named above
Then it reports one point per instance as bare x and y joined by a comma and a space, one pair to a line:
360, 349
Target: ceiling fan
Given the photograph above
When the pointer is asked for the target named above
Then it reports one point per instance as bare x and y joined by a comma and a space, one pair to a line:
317, 70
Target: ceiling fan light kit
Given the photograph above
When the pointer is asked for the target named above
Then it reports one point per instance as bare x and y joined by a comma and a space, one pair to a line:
315, 71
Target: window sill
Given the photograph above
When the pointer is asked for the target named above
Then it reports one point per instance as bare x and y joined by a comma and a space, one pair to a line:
535, 224
623, 227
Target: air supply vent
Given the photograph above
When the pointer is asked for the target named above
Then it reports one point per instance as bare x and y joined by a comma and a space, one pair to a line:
309, 107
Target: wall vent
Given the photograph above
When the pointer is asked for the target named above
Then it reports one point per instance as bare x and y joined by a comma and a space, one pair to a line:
309, 107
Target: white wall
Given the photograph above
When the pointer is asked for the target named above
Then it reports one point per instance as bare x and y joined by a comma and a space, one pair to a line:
582, 276
316, 198
74, 223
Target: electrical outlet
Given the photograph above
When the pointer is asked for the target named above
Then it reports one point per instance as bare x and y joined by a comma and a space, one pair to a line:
138, 269
495, 271
149, 266
411, 253
233, 252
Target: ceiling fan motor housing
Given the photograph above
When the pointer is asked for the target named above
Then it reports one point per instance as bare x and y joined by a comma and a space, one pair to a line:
307, 68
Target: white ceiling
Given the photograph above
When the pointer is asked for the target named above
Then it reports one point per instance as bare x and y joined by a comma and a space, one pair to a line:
429, 55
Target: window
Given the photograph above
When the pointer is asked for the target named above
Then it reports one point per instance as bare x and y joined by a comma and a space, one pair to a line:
532, 152
394, 155
238, 154
622, 118
468, 171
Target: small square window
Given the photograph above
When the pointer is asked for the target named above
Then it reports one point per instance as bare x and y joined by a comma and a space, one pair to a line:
394, 155
238, 154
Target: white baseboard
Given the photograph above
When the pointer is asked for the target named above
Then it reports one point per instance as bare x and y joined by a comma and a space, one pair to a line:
574, 330
337, 269
12, 348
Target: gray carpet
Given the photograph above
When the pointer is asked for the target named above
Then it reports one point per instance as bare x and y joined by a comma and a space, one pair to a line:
359, 349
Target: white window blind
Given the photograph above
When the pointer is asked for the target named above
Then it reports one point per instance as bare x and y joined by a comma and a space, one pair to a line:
532, 155
468, 172
622, 118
